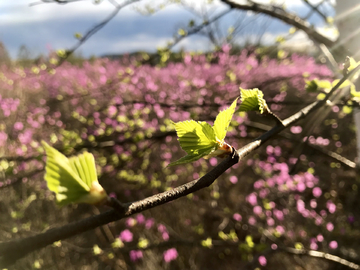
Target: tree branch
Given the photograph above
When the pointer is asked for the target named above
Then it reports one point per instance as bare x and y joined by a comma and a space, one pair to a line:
95, 29
284, 16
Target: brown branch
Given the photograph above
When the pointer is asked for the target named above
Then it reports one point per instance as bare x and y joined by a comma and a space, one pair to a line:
315, 8
284, 16
322, 255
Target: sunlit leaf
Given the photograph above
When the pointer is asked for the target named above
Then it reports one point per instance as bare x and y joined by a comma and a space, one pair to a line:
194, 136
321, 96
223, 120
252, 100
200, 140
73, 180
315, 85
347, 109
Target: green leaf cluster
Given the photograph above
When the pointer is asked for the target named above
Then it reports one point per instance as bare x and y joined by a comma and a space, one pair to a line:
74, 179
199, 139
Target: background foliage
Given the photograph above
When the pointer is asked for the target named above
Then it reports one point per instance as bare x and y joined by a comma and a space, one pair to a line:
120, 110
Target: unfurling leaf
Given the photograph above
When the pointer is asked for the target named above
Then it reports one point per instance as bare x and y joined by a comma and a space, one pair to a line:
74, 179
252, 100
311, 86
199, 139
223, 120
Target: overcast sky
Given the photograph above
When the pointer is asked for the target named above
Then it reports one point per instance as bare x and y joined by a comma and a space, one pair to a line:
45, 26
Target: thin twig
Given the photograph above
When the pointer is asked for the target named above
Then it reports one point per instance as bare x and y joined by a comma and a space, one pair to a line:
284, 16
95, 29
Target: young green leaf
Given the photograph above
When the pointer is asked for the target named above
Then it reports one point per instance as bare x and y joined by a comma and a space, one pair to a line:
73, 180
316, 84
252, 100
194, 136
223, 120
311, 86
199, 139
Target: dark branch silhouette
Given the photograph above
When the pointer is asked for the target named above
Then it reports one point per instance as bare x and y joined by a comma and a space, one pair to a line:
281, 14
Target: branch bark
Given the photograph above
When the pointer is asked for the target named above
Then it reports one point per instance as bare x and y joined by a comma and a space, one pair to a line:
281, 14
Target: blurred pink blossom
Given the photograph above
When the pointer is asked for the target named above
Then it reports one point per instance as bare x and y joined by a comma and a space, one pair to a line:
18, 126
237, 217
251, 198
330, 226
140, 218
262, 260
126, 236
317, 192
233, 179
170, 255
135, 255
333, 245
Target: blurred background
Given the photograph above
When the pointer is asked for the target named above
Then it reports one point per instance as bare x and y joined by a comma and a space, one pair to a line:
109, 77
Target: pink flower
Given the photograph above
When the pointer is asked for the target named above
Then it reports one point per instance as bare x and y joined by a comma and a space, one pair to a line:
213, 161
278, 214
162, 228
330, 227
112, 111
313, 246
135, 255
237, 217
333, 245
262, 260
269, 149
140, 218
331, 207
149, 223
270, 222
126, 236
301, 187
313, 203
165, 236
317, 192
277, 151
233, 179
320, 238
257, 210
252, 199
296, 129
280, 229
259, 184
18, 126
252, 221
3, 138
170, 255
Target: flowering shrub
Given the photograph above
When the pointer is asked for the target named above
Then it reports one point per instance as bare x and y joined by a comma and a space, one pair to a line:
120, 111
